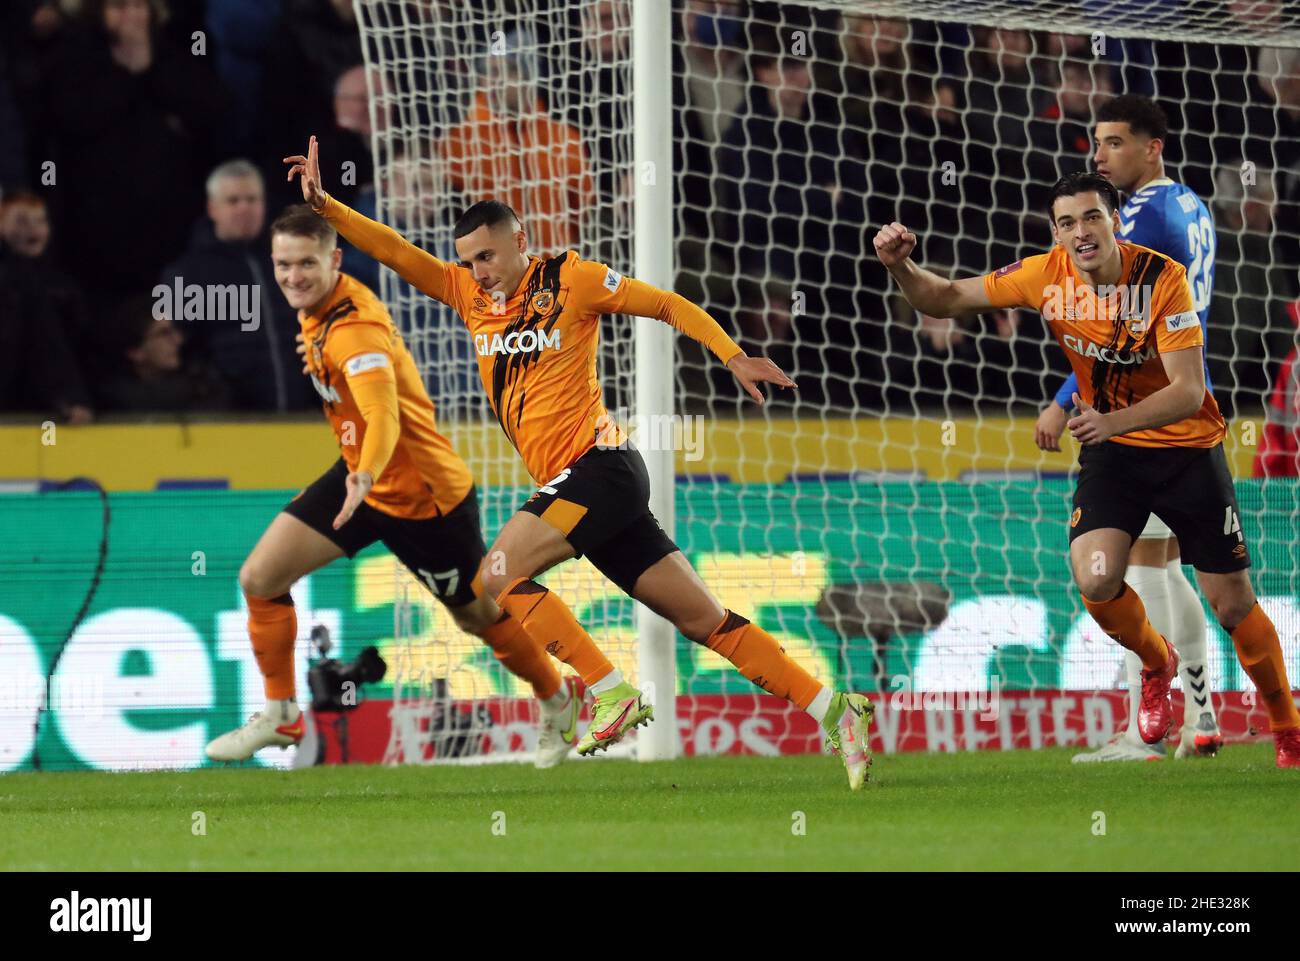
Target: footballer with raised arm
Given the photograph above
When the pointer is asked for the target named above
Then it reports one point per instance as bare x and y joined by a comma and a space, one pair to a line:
535, 324
1151, 434
398, 480
1169, 218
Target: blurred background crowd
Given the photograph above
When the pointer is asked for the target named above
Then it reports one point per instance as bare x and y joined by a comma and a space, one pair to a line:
141, 142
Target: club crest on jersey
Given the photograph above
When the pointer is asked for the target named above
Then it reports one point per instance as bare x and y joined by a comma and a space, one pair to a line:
542, 301
517, 342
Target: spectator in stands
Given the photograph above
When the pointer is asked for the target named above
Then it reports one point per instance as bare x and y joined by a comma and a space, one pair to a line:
25, 235
710, 91
134, 121
1273, 123
1062, 132
900, 129
539, 166
352, 122
1000, 90
1250, 287
872, 72
152, 377
13, 134
38, 369
1000, 101
352, 102
778, 173
230, 247
1279, 447
595, 79
315, 42
241, 32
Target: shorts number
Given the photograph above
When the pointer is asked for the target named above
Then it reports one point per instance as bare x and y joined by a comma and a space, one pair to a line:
549, 486
1230, 523
451, 576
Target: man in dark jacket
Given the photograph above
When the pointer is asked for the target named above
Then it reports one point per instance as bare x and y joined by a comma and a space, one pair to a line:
254, 354
132, 118
38, 371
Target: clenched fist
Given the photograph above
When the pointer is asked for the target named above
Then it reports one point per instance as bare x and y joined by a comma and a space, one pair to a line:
894, 243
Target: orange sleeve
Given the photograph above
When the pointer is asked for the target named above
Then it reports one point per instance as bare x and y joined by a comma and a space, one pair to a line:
423, 271
363, 352
643, 300
1178, 326
609, 292
376, 395
1017, 285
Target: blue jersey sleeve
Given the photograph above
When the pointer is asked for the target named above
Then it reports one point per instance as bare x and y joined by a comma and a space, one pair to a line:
1065, 395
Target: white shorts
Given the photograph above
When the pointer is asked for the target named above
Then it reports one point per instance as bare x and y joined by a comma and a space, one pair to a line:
1155, 528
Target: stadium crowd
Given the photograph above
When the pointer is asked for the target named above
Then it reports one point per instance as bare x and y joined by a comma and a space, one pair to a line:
141, 144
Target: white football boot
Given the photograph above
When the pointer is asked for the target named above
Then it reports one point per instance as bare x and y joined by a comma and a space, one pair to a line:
559, 729
1121, 748
280, 724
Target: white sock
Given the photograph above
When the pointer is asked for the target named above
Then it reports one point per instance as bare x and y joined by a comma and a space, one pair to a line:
558, 701
1194, 666
1151, 584
1133, 671
820, 705
607, 683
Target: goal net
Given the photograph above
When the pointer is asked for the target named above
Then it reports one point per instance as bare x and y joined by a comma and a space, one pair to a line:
892, 522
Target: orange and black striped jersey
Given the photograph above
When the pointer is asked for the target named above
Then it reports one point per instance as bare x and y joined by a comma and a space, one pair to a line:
1114, 338
372, 391
537, 348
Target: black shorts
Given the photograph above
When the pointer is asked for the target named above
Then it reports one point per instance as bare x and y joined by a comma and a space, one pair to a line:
601, 504
1189, 488
444, 552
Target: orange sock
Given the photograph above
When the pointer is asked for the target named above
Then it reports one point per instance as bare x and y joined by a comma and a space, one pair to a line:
1124, 618
762, 660
522, 656
1260, 654
548, 620
272, 627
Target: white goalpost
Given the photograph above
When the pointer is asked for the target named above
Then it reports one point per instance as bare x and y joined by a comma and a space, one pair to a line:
652, 169
891, 522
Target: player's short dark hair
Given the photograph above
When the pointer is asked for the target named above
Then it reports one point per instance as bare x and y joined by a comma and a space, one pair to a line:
485, 213
1081, 183
1143, 115
301, 221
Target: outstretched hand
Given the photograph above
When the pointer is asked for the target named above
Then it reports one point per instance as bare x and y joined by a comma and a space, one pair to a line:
308, 168
750, 371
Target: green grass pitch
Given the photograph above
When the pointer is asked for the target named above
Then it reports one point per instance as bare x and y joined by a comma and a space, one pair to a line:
986, 810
